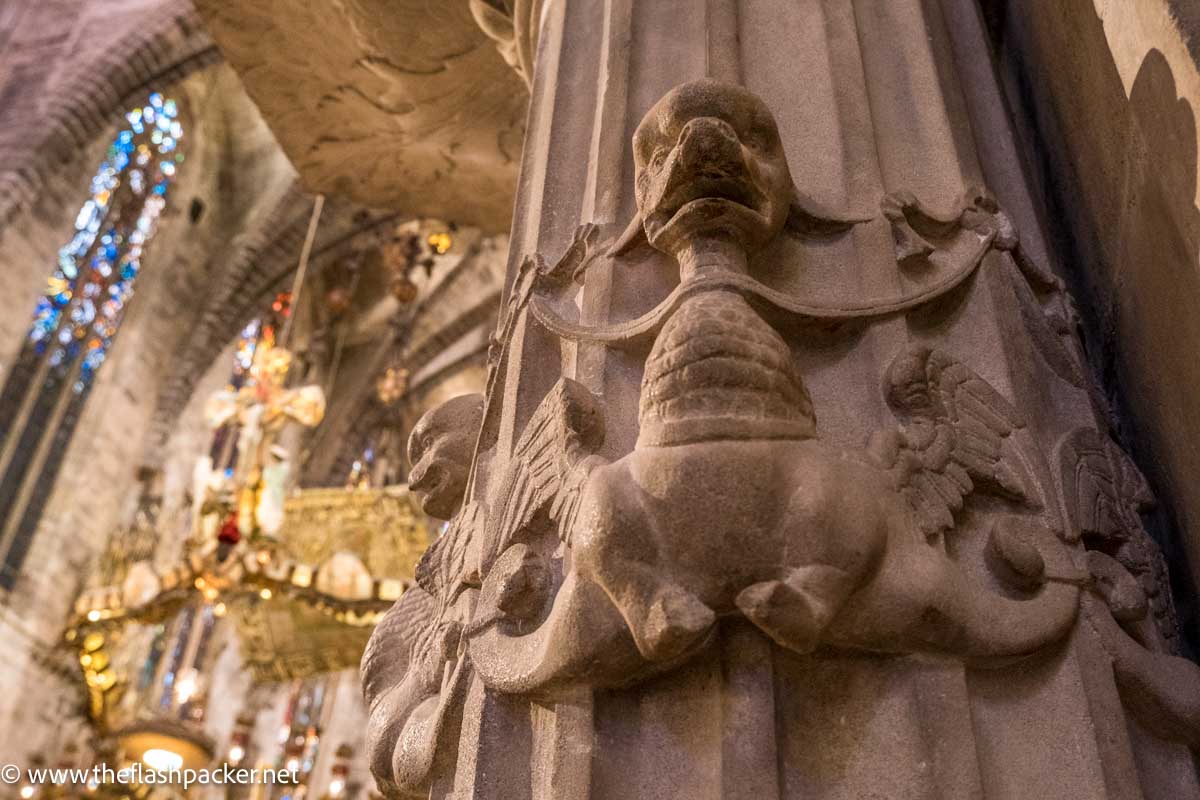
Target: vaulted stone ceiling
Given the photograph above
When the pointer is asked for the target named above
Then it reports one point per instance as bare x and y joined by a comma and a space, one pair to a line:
224, 270
391, 104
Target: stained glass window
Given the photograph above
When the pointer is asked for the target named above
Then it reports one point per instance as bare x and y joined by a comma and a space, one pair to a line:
76, 319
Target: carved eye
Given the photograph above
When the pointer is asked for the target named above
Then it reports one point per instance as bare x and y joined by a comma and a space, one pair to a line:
656, 160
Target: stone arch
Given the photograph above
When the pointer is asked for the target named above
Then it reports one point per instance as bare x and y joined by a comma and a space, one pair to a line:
168, 44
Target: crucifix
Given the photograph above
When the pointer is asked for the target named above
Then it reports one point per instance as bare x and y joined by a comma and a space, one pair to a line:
262, 409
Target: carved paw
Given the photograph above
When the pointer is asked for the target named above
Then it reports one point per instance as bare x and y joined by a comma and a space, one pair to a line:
675, 620
518, 584
794, 612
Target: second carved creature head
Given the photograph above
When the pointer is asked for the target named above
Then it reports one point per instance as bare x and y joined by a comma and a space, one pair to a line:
440, 449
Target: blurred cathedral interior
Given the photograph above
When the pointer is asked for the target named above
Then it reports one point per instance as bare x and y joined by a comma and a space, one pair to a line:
245, 247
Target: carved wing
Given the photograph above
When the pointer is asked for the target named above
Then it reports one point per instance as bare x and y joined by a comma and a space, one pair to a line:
955, 439
444, 568
548, 468
403, 633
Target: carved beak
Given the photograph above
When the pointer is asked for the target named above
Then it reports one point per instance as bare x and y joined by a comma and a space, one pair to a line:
426, 479
706, 161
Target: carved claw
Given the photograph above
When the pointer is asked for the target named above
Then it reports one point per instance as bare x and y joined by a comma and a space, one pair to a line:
675, 621
795, 611
523, 592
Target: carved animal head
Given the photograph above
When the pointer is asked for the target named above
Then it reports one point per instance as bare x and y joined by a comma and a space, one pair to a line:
906, 384
439, 449
709, 160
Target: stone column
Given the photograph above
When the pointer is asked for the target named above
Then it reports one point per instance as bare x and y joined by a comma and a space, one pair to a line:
941, 623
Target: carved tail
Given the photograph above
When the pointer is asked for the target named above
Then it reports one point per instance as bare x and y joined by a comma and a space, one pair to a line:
923, 601
997, 629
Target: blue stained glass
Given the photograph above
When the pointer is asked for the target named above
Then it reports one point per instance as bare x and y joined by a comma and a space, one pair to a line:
168, 144
84, 218
84, 313
81, 312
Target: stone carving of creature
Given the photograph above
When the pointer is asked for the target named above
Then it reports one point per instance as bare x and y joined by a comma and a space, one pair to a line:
413, 676
730, 504
439, 449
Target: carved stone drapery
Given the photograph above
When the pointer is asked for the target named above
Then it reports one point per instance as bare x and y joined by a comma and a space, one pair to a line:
762, 503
